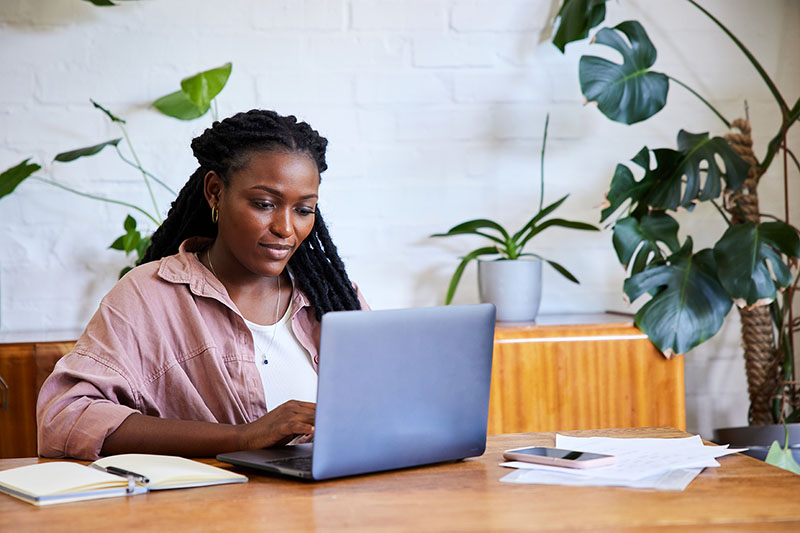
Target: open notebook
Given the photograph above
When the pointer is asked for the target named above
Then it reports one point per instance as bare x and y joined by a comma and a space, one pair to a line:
62, 481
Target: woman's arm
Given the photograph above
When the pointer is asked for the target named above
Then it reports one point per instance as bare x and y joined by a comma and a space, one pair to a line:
189, 438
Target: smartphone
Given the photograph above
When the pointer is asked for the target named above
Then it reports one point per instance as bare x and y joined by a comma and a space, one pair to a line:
559, 457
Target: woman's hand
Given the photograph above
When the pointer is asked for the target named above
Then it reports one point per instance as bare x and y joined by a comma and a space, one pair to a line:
280, 426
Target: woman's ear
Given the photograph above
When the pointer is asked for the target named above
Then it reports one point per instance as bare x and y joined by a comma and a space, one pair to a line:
212, 188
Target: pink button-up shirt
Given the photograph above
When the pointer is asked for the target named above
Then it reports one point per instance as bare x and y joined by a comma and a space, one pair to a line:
166, 341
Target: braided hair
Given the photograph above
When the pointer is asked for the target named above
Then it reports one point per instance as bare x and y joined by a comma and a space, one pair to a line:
225, 148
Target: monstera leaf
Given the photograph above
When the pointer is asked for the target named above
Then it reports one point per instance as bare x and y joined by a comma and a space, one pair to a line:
626, 93
673, 191
624, 186
15, 175
576, 17
638, 240
688, 303
745, 254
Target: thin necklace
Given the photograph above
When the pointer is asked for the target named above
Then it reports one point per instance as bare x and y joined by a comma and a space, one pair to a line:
277, 312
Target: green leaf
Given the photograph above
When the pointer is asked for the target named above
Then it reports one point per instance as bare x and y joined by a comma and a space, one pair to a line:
125, 271
539, 216
556, 222
12, 177
677, 176
624, 186
204, 86
638, 240
745, 254
129, 224
563, 271
72, 155
177, 105
130, 241
626, 93
141, 249
451, 289
688, 304
118, 244
472, 226
108, 113
576, 17
782, 458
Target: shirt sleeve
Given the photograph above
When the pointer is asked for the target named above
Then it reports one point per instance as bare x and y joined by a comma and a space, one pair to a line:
90, 392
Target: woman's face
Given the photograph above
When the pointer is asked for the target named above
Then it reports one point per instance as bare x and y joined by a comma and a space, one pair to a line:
265, 212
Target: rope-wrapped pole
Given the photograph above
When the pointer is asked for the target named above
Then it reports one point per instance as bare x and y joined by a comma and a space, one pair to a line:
758, 338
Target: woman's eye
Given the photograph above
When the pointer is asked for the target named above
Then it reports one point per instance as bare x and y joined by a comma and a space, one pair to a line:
264, 205
305, 211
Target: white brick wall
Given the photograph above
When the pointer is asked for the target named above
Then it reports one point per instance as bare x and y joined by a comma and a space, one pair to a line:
434, 111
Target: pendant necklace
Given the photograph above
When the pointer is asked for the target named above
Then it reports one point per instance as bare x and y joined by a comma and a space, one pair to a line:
277, 312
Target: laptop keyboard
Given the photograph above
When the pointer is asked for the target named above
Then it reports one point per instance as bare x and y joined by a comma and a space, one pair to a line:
298, 463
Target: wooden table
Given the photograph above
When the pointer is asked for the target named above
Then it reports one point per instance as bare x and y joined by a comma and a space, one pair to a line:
742, 495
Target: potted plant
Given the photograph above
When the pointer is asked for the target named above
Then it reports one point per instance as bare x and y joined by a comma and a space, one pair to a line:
511, 279
754, 261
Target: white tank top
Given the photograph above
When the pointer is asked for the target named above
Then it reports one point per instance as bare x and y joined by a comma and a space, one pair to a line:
285, 366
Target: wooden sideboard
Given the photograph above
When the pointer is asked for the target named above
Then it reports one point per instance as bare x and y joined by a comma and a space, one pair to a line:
563, 373
582, 372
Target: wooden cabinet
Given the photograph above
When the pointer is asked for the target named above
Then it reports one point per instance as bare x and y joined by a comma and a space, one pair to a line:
597, 371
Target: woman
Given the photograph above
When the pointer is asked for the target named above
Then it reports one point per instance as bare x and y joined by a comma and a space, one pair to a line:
210, 345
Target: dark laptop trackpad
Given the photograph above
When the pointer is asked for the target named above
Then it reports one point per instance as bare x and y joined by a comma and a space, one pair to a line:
254, 458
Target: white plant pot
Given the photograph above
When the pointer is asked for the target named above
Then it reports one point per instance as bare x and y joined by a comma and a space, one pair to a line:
513, 286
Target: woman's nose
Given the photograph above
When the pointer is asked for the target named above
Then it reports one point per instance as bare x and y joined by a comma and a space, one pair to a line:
281, 224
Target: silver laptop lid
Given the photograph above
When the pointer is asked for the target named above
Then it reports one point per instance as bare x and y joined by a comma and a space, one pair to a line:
403, 387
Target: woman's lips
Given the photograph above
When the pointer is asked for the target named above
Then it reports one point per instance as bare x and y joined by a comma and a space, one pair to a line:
277, 252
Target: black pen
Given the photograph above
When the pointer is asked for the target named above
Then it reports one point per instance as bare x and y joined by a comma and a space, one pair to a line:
127, 473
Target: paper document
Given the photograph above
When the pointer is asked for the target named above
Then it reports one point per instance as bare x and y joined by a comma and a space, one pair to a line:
667, 464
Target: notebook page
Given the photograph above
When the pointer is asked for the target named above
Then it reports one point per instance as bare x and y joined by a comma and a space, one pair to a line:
166, 471
47, 479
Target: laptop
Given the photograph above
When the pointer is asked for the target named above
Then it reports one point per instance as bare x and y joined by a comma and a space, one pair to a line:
397, 388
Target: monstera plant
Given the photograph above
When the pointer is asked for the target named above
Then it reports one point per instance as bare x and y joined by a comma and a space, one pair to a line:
754, 261
195, 98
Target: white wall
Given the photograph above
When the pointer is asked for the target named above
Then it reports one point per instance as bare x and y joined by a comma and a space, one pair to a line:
434, 110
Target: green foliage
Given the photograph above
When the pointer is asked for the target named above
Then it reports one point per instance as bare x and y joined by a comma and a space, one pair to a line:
576, 18
16, 175
200, 90
510, 246
782, 457
688, 303
751, 264
131, 241
194, 98
72, 155
626, 93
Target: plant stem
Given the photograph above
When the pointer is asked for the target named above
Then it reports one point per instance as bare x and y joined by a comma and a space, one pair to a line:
93, 197
214, 110
541, 163
774, 144
794, 158
772, 87
711, 107
131, 163
721, 212
139, 166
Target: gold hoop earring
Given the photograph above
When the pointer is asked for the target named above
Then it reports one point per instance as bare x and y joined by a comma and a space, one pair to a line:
214, 214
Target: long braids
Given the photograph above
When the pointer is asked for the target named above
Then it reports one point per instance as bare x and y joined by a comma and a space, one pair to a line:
225, 147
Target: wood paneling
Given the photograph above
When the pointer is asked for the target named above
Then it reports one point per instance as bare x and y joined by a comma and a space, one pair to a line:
24, 367
556, 378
